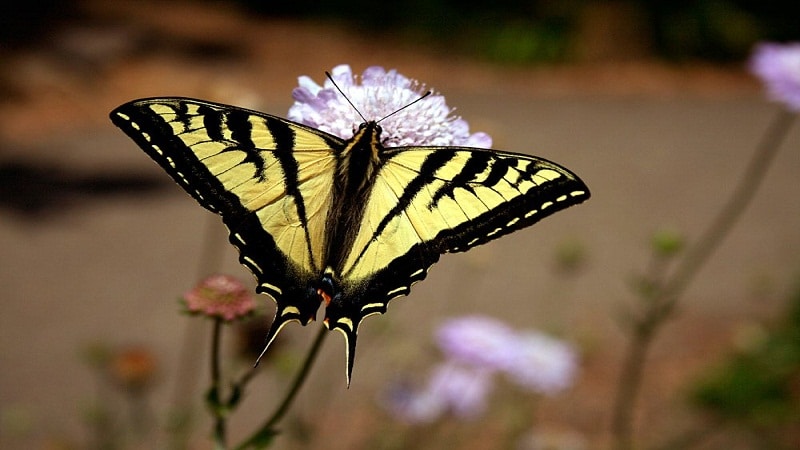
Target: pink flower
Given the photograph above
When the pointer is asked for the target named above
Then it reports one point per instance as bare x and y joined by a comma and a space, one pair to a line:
378, 93
778, 67
220, 296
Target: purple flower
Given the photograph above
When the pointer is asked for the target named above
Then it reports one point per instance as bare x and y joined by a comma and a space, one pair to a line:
376, 94
533, 360
543, 364
476, 348
462, 390
778, 67
403, 401
478, 340
452, 388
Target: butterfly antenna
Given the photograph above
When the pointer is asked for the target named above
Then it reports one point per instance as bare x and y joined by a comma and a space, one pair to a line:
330, 77
427, 93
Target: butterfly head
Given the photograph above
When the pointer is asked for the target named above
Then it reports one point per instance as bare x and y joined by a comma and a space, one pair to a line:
368, 135
371, 125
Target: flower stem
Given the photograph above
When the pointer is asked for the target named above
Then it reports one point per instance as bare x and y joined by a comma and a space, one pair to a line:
267, 431
216, 382
181, 415
665, 300
741, 197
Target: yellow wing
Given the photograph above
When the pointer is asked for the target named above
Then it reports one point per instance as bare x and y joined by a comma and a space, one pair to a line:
269, 178
451, 199
431, 200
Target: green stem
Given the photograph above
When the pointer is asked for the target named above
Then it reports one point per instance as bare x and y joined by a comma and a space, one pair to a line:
217, 410
666, 299
268, 429
189, 353
739, 200
245, 378
630, 381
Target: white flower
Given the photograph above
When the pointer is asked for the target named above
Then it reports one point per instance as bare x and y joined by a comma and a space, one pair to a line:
376, 94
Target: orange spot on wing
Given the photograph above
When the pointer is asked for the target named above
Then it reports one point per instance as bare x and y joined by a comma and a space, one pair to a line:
325, 297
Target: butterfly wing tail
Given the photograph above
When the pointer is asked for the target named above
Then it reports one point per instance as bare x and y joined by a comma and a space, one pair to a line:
350, 334
302, 310
277, 325
357, 301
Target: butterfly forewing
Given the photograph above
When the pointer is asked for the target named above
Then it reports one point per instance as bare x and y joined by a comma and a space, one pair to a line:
451, 199
241, 163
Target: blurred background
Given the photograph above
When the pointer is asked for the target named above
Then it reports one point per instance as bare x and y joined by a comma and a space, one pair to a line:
648, 101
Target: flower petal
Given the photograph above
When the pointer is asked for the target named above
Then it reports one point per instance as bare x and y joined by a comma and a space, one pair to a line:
479, 341
377, 93
305, 82
778, 67
544, 364
463, 390
220, 296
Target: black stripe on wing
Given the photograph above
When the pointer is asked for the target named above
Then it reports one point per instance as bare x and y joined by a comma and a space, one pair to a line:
157, 138
284, 145
519, 212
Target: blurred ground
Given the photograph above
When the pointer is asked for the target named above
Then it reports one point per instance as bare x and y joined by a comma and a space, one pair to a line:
659, 145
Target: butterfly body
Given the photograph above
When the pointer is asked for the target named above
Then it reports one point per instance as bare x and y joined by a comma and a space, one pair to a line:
344, 223
356, 168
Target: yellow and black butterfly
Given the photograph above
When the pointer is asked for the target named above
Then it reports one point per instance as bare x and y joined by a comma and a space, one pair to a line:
344, 222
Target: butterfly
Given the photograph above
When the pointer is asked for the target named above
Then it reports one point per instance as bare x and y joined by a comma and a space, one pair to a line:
348, 223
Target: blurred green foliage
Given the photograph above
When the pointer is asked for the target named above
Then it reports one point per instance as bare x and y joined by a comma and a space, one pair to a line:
758, 388
546, 30
667, 242
719, 29
507, 30
503, 30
